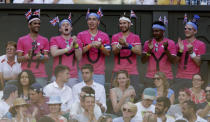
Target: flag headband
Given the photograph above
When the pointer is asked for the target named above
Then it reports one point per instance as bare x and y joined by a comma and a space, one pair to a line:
33, 20
192, 24
98, 15
125, 19
65, 20
55, 20
32, 16
157, 26
194, 21
93, 14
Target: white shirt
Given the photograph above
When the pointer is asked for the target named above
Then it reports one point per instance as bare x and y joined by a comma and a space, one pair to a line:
100, 94
7, 70
199, 119
145, 2
168, 119
65, 93
141, 110
59, 2
120, 119
4, 108
76, 109
32, 1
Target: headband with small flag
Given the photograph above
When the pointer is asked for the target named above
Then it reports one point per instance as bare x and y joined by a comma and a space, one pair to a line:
54, 21
88, 12
37, 12
132, 15
100, 12
28, 14
185, 18
32, 16
69, 17
194, 22
165, 20
160, 19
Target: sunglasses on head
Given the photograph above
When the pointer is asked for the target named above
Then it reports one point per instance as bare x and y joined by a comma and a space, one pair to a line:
126, 109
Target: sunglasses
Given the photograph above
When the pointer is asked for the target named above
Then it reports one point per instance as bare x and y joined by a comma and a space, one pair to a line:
188, 29
126, 109
156, 78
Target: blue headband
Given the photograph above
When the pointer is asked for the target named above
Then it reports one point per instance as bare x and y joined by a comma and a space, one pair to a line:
192, 24
64, 20
157, 26
93, 14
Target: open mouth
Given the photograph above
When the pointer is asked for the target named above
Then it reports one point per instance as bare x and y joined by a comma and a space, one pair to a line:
66, 29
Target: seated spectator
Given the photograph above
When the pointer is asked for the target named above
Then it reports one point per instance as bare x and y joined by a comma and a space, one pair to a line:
198, 95
55, 109
25, 80
9, 67
87, 75
78, 107
129, 110
46, 119
189, 113
145, 106
204, 108
59, 88
105, 118
161, 108
29, 1
10, 93
146, 2
88, 114
162, 87
19, 111
122, 92
171, 2
149, 117
38, 101
176, 110
59, 1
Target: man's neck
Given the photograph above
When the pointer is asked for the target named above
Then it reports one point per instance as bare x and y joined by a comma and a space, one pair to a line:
66, 37
93, 31
159, 39
11, 58
59, 83
126, 119
191, 39
125, 34
89, 83
33, 35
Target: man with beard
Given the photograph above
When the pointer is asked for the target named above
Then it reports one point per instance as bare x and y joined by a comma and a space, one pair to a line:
160, 53
189, 113
189, 53
126, 46
96, 46
66, 50
161, 108
205, 107
32, 50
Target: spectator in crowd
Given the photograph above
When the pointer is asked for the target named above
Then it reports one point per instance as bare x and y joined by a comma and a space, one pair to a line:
79, 106
126, 46
176, 110
145, 106
55, 109
59, 88
19, 111
205, 107
146, 2
29, 1
189, 53
105, 118
198, 95
33, 50
87, 75
88, 115
38, 101
129, 110
161, 108
122, 93
25, 80
10, 93
96, 46
171, 2
65, 49
9, 67
149, 117
160, 53
59, 1
189, 113
46, 119
162, 87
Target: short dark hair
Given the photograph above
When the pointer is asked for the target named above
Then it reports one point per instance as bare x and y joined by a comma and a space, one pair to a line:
191, 104
159, 23
60, 68
88, 90
12, 43
88, 66
165, 101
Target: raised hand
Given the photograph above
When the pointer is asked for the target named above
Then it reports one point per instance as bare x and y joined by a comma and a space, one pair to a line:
165, 44
150, 44
180, 43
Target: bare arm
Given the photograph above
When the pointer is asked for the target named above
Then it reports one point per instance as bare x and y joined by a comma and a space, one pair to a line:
22, 58
204, 112
115, 49
197, 60
56, 52
137, 49
172, 98
2, 80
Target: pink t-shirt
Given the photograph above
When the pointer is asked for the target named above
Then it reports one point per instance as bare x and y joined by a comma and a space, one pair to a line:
67, 59
164, 64
85, 37
25, 45
128, 63
191, 68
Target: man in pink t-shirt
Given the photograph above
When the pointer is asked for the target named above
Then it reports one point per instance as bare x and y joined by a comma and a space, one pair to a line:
160, 53
33, 50
66, 50
96, 45
189, 52
126, 46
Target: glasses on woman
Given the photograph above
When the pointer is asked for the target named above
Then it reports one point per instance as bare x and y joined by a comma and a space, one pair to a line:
126, 109
156, 78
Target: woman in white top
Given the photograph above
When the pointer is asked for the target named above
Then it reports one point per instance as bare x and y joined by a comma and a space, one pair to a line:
122, 92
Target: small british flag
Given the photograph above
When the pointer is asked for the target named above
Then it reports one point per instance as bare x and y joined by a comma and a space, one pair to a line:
37, 12
69, 16
54, 21
160, 19
28, 14
185, 18
165, 20
88, 12
100, 12
132, 15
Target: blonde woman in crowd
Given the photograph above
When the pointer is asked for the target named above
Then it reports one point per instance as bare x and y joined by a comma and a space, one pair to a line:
105, 118
162, 87
122, 92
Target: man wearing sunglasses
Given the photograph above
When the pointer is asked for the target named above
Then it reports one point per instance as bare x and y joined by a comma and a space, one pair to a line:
189, 52
159, 52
